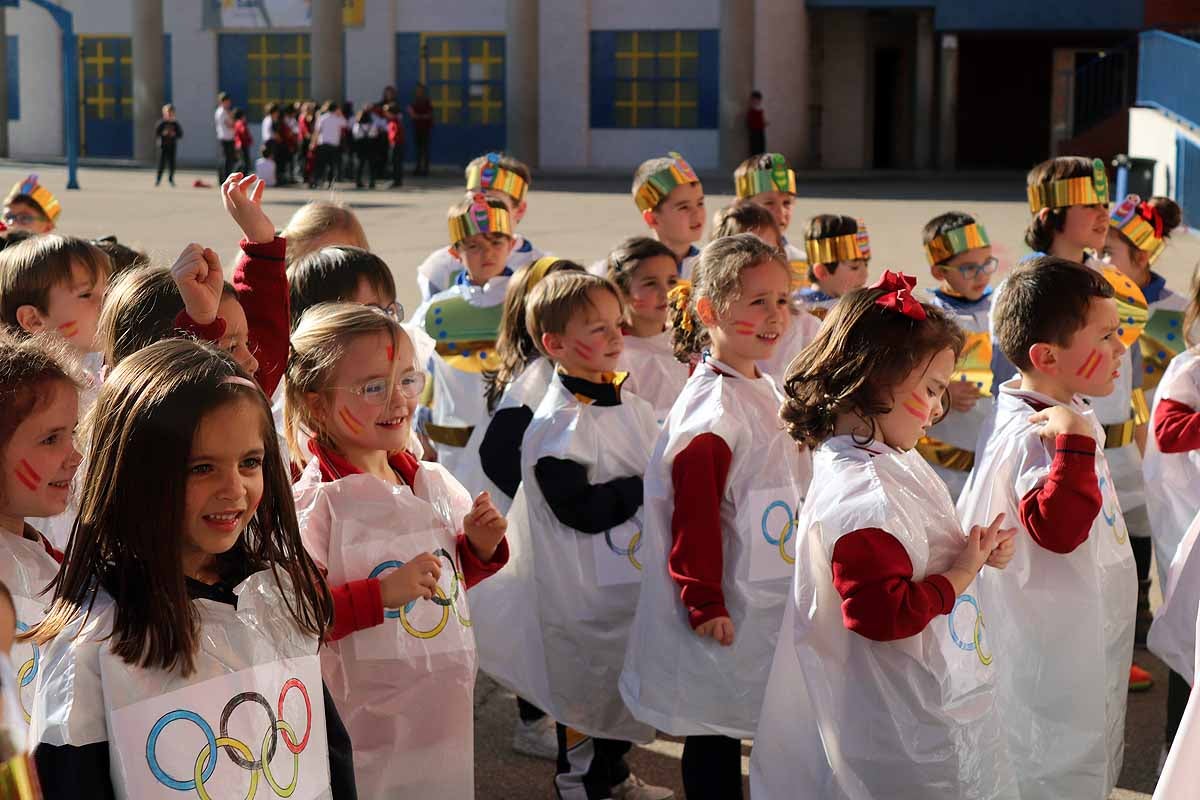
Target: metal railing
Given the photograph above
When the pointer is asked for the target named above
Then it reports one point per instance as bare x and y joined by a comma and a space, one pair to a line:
1168, 73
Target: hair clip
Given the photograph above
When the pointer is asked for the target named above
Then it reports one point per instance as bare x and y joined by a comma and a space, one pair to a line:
898, 294
679, 297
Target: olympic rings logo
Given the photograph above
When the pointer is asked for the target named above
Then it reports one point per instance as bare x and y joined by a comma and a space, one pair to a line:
239, 752
27, 673
1110, 518
785, 533
447, 603
628, 551
975, 645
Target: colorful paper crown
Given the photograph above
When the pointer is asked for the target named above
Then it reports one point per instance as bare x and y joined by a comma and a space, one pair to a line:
1085, 191
46, 201
1141, 224
493, 176
847, 247
779, 178
659, 185
479, 218
949, 244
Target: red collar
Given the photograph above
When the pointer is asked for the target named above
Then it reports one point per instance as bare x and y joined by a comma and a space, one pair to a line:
334, 465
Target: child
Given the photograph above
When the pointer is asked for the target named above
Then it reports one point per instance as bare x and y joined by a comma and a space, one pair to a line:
243, 140
839, 250
1064, 611
646, 270
464, 320
722, 489
747, 216
568, 597
767, 179
503, 179
318, 224
264, 165
31, 207
961, 261
39, 405
184, 592
369, 508
883, 682
395, 134
167, 132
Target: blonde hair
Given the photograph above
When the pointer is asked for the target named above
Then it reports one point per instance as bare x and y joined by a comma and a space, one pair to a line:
558, 298
319, 343
313, 221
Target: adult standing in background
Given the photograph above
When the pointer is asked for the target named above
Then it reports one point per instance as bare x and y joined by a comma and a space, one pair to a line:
327, 138
223, 118
756, 124
420, 111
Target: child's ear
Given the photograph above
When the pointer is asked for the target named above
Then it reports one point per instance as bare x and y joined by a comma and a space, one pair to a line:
1043, 215
512, 243
821, 272
30, 319
707, 312
454, 252
552, 343
315, 403
1044, 358
650, 218
938, 273
519, 212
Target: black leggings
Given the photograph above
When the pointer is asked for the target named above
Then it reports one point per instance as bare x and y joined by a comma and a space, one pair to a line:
712, 768
166, 159
1178, 692
327, 162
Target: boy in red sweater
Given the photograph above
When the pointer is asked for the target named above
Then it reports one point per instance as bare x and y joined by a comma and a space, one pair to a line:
395, 132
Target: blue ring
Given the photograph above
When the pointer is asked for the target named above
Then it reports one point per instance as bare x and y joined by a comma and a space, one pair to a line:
152, 740
375, 573
791, 525
37, 657
968, 646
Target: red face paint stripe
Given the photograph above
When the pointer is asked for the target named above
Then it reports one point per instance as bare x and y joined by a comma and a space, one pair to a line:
391, 353
1092, 371
69, 328
352, 422
583, 350
27, 475
744, 327
1089, 365
914, 409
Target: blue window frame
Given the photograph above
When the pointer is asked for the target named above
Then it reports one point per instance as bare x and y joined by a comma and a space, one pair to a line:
654, 79
14, 78
261, 68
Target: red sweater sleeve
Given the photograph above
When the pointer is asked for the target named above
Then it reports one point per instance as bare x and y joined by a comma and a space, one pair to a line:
1059, 514
1176, 427
212, 332
260, 279
696, 562
474, 568
880, 600
357, 605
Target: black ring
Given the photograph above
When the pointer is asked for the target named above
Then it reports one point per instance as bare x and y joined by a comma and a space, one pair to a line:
441, 552
233, 703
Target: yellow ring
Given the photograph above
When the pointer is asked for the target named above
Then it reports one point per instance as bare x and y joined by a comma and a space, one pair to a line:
633, 543
429, 634
290, 789
236, 745
985, 660
783, 540
26, 668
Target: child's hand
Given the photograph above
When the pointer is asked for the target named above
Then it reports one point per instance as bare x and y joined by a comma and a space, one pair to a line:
1006, 548
1061, 420
963, 395
719, 628
976, 552
416, 579
242, 198
485, 527
197, 273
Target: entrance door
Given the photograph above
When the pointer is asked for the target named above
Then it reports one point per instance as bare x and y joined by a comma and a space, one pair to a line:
106, 96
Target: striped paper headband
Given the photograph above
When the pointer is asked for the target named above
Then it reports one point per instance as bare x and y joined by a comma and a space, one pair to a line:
659, 185
493, 176
779, 178
1141, 224
40, 194
1085, 191
847, 247
949, 244
479, 218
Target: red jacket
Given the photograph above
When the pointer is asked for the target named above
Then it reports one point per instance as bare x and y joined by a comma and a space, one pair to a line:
241, 135
395, 131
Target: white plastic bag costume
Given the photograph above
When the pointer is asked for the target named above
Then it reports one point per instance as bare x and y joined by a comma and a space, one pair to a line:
405, 689
1181, 772
253, 711
553, 624
26, 569
1063, 622
1172, 637
801, 330
1173, 479
675, 680
655, 375
440, 269
850, 718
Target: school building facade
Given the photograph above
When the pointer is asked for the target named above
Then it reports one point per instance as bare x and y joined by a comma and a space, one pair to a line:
581, 84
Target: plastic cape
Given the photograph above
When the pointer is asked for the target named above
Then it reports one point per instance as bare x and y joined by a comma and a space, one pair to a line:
1063, 622
909, 719
677, 681
655, 375
1173, 634
26, 569
405, 688
801, 330
1172, 479
252, 712
527, 389
553, 624
1181, 772
458, 394
439, 270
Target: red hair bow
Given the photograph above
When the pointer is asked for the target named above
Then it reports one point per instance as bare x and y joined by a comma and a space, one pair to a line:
898, 294
1151, 215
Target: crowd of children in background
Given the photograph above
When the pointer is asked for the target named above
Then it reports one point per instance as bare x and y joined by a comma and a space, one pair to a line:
726, 490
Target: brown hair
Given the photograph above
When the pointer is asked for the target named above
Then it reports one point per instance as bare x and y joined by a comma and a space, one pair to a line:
860, 353
514, 346
1045, 301
944, 223
717, 276
464, 205
645, 170
31, 268
624, 261
744, 216
823, 226
556, 300
313, 221
1040, 233
332, 275
505, 162
127, 538
121, 256
1168, 210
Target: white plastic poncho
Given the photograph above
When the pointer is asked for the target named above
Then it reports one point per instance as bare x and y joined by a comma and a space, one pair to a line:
655, 375
440, 268
26, 569
1173, 634
801, 330
1173, 479
553, 624
405, 689
673, 679
1181, 772
253, 712
1063, 622
847, 717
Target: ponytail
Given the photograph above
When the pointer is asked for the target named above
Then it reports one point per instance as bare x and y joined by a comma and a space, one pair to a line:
689, 336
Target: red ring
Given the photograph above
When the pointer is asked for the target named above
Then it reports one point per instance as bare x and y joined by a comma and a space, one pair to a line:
294, 683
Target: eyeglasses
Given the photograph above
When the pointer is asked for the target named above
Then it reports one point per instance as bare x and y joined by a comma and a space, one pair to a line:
375, 392
973, 271
13, 218
394, 310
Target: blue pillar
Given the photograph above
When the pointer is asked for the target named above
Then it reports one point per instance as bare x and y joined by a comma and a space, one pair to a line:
70, 66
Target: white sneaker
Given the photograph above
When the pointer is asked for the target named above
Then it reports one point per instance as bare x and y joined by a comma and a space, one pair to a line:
634, 788
536, 738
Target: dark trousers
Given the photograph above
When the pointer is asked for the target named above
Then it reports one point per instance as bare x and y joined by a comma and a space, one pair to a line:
758, 142
1178, 692
366, 161
247, 162
422, 167
166, 160
588, 768
327, 164
712, 768
398, 164
228, 160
